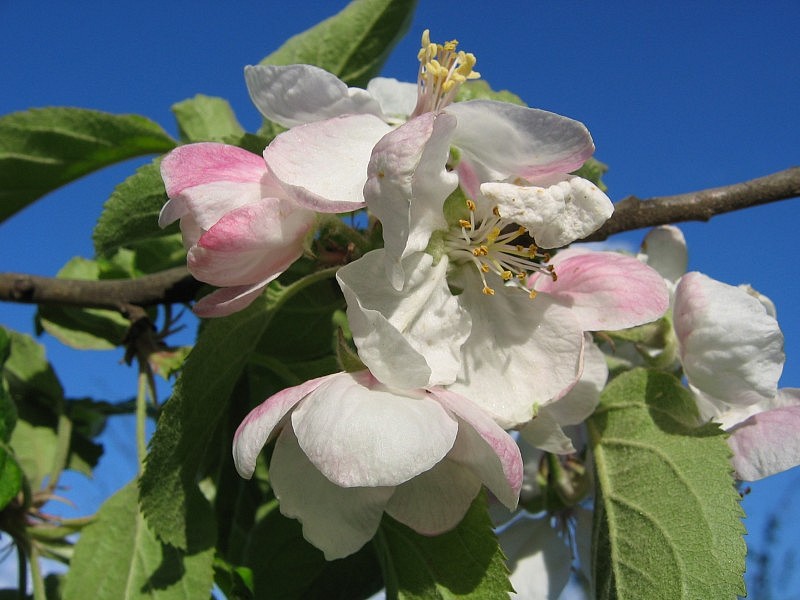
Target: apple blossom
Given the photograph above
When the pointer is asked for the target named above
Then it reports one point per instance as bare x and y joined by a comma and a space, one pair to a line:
240, 229
349, 449
730, 347
446, 302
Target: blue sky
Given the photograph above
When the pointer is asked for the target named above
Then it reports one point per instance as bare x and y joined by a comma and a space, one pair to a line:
678, 96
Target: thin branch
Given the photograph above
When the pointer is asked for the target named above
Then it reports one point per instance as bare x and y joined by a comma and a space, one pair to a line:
634, 213
166, 287
177, 286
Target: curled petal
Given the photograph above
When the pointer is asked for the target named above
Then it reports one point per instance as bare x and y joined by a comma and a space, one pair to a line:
359, 435
730, 348
545, 433
254, 242
323, 165
407, 185
664, 249
228, 300
515, 141
484, 447
298, 94
606, 290
408, 338
767, 442
556, 214
264, 420
337, 520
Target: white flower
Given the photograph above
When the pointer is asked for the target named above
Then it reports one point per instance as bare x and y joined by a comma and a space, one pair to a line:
349, 449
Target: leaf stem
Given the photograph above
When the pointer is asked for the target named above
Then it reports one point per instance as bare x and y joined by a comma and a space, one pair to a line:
36, 575
144, 384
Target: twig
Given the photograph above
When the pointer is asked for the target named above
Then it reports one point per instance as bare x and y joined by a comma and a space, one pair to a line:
634, 213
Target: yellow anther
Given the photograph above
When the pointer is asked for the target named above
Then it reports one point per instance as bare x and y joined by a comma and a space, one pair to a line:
496, 211
532, 249
488, 291
450, 46
465, 224
484, 250
470, 204
506, 275
484, 267
521, 275
426, 38
532, 295
546, 257
493, 234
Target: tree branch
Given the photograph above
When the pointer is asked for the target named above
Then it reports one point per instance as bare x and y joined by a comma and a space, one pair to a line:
634, 213
177, 286
166, 287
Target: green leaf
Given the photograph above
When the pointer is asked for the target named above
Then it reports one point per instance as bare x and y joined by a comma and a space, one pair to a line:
10, 477
29, 375
352, 44
130, 215
463, 563
199, 400
286, 566
667, 515
593, 170
206, 118
42, 149
118, 557
479, 89
83, 328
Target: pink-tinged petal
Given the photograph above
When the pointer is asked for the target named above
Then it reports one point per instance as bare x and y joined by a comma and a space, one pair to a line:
408, 338
265, 419
208, 162
515, 141
396, 98
539, 560
251, 243
323, 166
664, 249
337, 520
607, 291
766, 443
228, 300
484, 447
730, 348
520, 352
555, 213
357, 436
407, 185
435, 501
297, 94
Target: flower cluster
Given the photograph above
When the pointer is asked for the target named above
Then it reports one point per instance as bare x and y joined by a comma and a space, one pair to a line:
466, 321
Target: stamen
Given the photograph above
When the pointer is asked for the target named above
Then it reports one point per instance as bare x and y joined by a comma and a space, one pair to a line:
442, 70
486, 240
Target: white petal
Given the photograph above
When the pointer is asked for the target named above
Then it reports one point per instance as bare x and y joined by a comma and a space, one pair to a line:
228, 300
515, 141
579, 402
435, 501
556, 214
408, 338
766, 443
371, 436
408, 184
484, 447
544, 432
337, 520
297, 94
539, 560
323, 166
664, 249
396, 98
259, 425
520, 352
731, 349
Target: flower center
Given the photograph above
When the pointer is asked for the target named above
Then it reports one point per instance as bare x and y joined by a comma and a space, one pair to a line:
488, 243
442, 70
